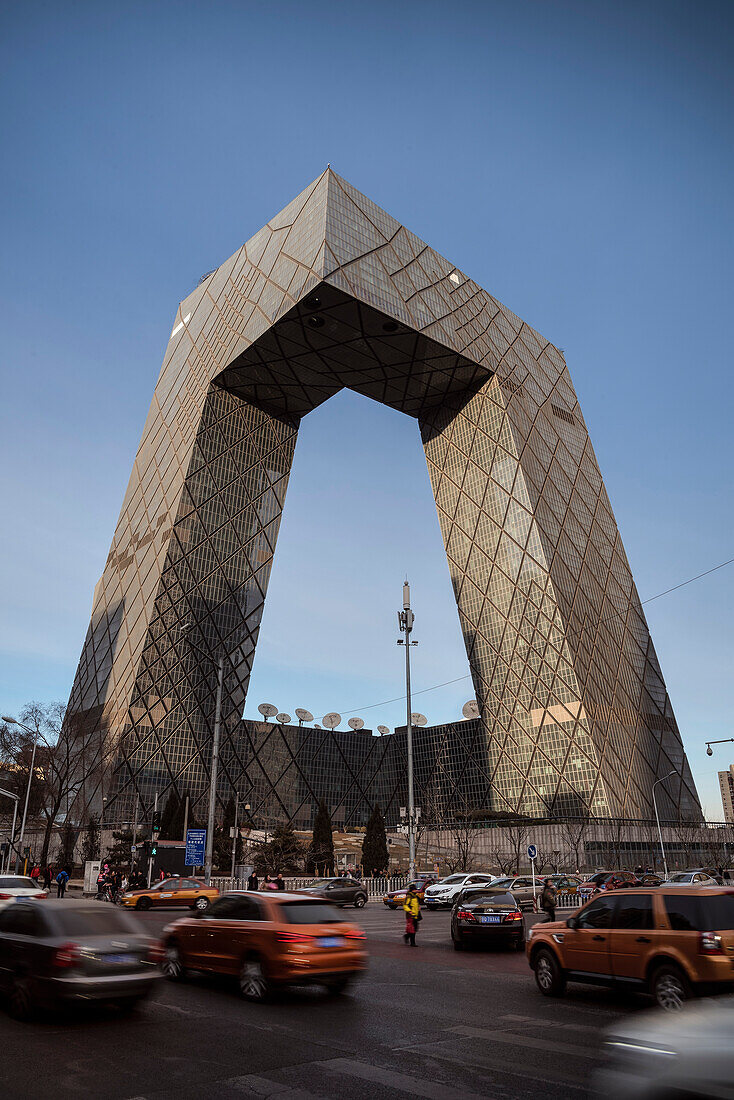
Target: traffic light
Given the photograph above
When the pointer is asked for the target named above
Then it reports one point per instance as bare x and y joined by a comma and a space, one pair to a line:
153, 849
156, 823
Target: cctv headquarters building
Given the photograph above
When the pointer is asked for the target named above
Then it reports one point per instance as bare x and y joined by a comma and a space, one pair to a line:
574, 716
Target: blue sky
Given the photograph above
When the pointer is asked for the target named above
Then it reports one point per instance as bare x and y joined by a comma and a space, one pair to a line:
573, 158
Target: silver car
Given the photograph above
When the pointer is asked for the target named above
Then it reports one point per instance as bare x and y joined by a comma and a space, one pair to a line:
660, 1054
691, 878
521, 888
64, 951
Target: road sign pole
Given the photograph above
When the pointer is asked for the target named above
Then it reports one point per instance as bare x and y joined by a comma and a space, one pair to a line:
150, 857
532, 856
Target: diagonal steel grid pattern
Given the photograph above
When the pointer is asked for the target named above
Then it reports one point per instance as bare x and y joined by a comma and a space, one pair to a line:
335, 293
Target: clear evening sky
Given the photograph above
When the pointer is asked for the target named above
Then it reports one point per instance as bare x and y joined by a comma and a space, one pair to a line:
573, 158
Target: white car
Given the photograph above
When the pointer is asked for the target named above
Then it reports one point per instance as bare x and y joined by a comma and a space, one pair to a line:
18, 886
691, 878
441, 895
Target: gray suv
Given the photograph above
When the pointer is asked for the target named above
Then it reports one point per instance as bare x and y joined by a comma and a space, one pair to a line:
340, 891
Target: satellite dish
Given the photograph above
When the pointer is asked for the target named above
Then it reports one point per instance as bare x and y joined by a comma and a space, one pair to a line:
470, 709
418, 720
268, 710
356, 723
332, 720
382, 730
303, 715
284, 719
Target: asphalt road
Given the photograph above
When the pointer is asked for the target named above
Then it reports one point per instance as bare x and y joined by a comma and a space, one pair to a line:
426, 1022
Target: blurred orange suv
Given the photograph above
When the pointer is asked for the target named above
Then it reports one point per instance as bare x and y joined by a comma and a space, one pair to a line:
267, 940
673, 943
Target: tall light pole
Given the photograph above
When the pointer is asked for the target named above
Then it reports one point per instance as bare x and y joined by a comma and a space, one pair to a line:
34, 735
657, 817
406, 618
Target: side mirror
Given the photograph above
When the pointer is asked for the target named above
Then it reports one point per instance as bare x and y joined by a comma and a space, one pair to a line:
572, 922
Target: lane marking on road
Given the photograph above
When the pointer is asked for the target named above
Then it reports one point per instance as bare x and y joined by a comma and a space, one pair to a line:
498, 1066
264, 1086
531, 1042
524, 1021
414, 1086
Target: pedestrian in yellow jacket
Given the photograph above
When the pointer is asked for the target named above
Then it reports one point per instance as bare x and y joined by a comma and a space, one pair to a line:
412, 910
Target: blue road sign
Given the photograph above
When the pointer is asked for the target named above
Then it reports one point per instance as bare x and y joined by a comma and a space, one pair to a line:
195, 847
532, 851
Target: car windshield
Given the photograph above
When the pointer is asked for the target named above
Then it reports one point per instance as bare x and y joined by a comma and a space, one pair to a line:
317, 882
451, 879
17, 882
686, 877
503, 882
485, 897
93, 922
309, 912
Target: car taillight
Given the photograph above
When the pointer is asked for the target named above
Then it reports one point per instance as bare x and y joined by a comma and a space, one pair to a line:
43, 894
156, 953
709, 943
466, 914
5, 897
66, 956
355, 934
517, 915
293, 937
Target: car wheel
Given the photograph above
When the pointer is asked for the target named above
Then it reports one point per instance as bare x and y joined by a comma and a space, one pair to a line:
520, 943
20, 1002
393, 907
143, 903
201, 904
669, 986
549, 977
173, 966
254, 986
359, 901
458, 944
338, 987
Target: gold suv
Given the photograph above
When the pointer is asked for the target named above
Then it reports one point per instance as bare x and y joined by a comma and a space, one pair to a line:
673, 943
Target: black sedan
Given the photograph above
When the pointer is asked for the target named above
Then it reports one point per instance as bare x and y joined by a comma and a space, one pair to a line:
339, 891
487, 916
66, 951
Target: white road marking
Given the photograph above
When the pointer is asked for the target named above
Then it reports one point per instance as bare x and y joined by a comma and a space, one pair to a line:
414, 1086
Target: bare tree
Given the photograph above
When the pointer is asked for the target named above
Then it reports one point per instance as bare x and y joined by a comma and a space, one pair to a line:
57, 775
505, 861
688, 831
574, 834
544, 859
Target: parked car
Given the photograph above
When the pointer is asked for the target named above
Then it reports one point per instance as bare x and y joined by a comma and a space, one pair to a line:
441, 894
607, 880
267, 940
172, 893
671, 942
564, 884
682, 1054
691, 878
18, 886
486, 915
394, 899
650, 879
521, 888
60, 951
339, 891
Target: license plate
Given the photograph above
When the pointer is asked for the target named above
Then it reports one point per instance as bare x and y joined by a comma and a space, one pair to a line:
120, 959
330, 941
490, 920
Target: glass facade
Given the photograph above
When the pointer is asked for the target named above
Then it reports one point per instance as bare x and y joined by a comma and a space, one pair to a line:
333, 293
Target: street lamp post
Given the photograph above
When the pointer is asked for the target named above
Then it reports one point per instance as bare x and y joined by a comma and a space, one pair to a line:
406, 618
34, 735
657, 817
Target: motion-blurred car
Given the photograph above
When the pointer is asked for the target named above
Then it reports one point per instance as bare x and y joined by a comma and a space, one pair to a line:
172, 893
607, 880
686, 1054
339, 891
486, 915
394, 899
442, 894
671, 942
267, 940
18, 886
62, 951
564, 884
691, 878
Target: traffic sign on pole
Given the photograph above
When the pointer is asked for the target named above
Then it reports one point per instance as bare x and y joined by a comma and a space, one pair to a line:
532, 856
532, 851
195, 847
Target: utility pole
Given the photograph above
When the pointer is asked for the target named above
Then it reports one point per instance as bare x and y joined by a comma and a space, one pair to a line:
213, 778
234, 835
150, 857
406, 618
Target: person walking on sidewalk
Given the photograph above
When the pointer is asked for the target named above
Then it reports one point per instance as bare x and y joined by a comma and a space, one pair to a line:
412, 910
548, 900
61, 880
